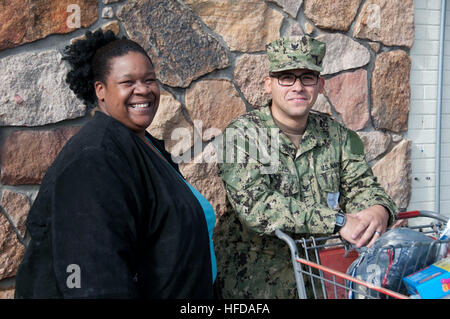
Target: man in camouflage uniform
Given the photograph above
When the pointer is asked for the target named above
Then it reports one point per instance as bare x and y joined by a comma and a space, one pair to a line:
318, 173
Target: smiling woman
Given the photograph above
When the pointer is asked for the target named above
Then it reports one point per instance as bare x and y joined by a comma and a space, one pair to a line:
130, 93
113, 205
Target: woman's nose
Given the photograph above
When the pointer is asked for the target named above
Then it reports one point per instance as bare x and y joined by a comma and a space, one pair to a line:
142, 88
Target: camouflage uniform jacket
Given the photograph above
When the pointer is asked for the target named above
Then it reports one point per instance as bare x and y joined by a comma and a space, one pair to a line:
252, 262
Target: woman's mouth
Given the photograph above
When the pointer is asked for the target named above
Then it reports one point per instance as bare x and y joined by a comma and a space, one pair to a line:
140, 105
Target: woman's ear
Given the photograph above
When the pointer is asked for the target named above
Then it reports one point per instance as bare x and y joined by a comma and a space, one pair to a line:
100, 90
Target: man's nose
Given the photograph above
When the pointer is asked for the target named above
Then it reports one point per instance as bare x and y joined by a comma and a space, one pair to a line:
298, 86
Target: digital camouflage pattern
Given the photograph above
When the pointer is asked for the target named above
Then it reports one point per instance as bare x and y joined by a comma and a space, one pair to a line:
290, 53
252, 262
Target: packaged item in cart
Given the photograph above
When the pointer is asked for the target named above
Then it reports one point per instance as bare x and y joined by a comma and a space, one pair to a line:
433, 282
445, 236
397, 253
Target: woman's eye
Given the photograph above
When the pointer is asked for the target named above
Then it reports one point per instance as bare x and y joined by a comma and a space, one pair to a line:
126, 83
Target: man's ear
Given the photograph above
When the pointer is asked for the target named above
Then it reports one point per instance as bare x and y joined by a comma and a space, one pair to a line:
268, 84
100, 90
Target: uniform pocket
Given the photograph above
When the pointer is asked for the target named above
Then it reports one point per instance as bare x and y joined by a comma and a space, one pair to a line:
329, 181
285, 182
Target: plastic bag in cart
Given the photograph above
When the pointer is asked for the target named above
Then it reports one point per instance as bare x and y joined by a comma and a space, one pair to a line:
397, 253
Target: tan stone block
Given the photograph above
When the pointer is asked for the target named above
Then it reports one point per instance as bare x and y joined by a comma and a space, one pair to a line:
180, 48
309, 28
322, 105
343, 53
214, 103
249, 74
30, 20
375, 143
34, 91
26, 155
348, 93
170, 125
334, 15
390, 91
113, 26
289, 6
11, 250
375, 46
7, 293
246, 26
295, 30
393, 173
17, 206
387, 21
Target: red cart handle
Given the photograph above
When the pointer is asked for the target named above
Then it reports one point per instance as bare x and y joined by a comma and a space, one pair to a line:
411, 214
422, 213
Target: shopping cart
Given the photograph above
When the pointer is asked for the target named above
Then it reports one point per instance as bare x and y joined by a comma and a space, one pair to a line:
320, 272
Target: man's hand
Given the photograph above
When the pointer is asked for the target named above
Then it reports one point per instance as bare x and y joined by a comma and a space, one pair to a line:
365, 227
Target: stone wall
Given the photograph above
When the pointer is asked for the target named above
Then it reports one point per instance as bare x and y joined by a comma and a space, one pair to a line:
209, 58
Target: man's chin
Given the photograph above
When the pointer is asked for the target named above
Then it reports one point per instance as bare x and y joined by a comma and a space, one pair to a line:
298, 110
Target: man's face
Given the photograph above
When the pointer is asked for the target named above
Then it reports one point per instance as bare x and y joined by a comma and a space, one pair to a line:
292, 103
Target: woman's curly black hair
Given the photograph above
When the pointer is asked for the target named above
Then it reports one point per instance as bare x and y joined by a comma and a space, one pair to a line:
89, 60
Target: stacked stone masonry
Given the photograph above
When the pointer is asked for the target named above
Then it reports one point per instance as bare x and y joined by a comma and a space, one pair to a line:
209, 58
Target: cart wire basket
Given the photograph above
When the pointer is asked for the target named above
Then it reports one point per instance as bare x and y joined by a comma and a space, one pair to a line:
320, 267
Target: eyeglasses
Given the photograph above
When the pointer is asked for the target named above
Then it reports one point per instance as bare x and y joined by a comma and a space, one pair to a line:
288, 79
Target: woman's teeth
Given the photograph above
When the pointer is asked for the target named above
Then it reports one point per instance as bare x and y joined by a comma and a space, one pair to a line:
140, 105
